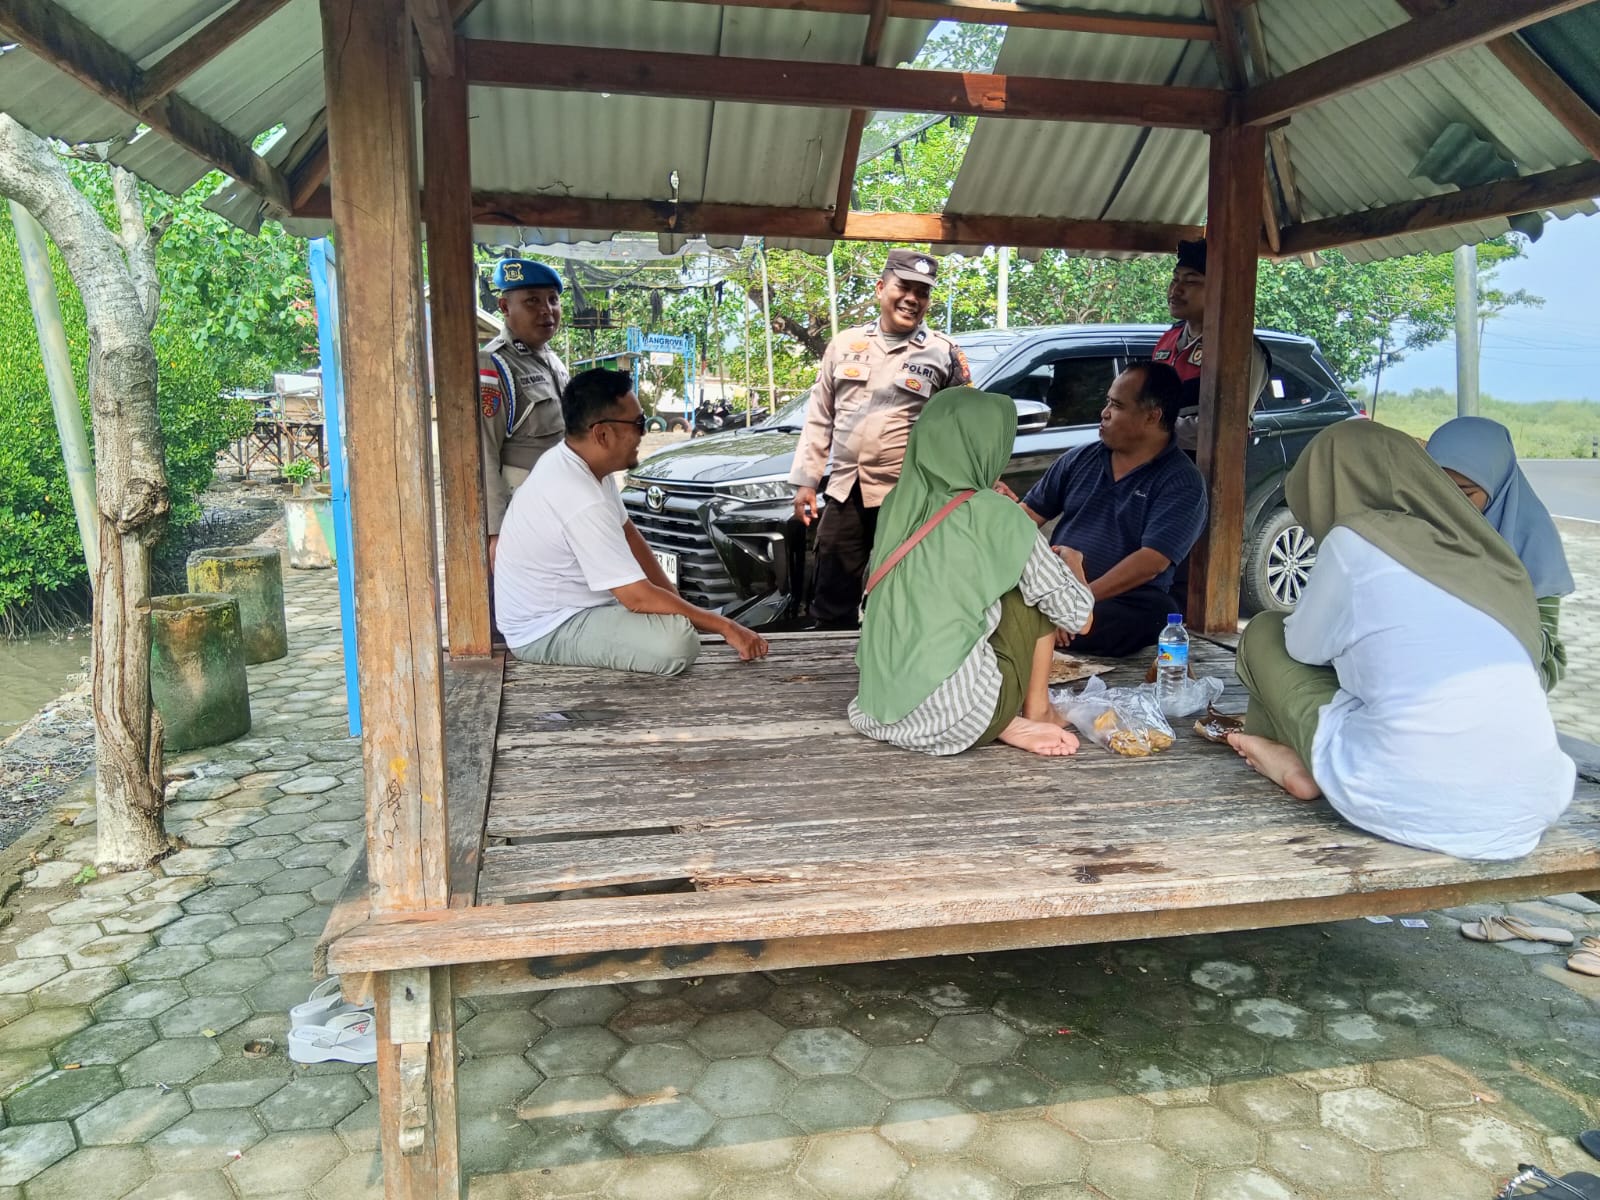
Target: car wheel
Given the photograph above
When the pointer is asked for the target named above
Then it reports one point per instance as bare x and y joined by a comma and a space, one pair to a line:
678, 425
1277, 563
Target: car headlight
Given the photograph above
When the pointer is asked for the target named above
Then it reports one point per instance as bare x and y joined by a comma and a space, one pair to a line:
758, 489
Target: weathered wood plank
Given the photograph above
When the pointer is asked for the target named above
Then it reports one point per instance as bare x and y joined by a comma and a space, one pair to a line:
471, 712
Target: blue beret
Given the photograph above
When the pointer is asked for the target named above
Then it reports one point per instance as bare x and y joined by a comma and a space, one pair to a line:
513, 273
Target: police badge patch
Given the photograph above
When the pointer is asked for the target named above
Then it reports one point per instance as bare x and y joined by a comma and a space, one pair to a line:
489, 396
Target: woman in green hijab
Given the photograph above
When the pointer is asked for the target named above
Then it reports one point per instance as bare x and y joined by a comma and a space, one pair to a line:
959, 632
1403, 687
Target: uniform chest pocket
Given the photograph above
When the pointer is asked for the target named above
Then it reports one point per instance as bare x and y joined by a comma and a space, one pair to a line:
913, 384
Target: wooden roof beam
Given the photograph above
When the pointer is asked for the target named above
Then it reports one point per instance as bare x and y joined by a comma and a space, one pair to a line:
999, 12
1530, 193
1396, 50
200, 47
838, 85
434, 22
851, 153
66, 43
1534, 74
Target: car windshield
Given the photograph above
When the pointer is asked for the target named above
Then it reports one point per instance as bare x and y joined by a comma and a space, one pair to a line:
791, 417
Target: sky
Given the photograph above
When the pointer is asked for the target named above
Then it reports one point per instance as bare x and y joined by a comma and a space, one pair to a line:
1531, 354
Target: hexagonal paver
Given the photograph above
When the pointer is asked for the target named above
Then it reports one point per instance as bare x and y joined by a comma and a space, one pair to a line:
1226, 978
198, 929
286, 1162
576, 1051
1249, 1184
1135, 1172
142, 918
1372, 1119
851, 1166
893, 1022
1268, 1016
974, 1038
1315, 1160
205, 1140
1000, 1088
249, 941
43, 1029
581, 1006
765, 1144
25, 974
200, 1014
271, 908
167, 962
729, 993
1065, 1058
1484, 1140
1220, 1049
662, 1179
1032, 1152
743, 1087
107, 1042
112, 950
139, 1001
660, 1067
833, 1102
675, 1124
1106, 1119
131, 1116
312, 1102
903, 1072
83, 986
57, 940
802, 1005
100, 1171
173, 1060
825, 1051
308, 785
1424, 1083
569, 1161
734, 1035
25, 1150
61, 1095
582, 1099
1206, 1136
929, 1126
944, 1180
1432, 1173
229, 975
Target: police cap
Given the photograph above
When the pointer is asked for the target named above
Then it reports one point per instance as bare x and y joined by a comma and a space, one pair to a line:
1192, 255
913, 266
513, 273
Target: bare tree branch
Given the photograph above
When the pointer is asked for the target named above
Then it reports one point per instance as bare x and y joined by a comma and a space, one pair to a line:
138, 246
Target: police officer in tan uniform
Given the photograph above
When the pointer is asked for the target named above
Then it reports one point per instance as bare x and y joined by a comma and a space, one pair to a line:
520, 383
873, 384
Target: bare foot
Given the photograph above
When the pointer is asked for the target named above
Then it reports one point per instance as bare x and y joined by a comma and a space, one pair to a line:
1037, 737
1278, 763
1047, 715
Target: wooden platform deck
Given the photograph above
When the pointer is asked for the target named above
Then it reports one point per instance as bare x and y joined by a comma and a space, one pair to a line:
731, 820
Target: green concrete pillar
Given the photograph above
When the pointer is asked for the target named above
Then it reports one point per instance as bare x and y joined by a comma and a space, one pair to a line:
252, 575
197, 676
308, 529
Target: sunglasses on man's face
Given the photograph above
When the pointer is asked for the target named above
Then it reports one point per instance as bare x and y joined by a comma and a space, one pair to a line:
637, 422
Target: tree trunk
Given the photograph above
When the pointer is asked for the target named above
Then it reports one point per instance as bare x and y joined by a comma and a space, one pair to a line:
131, 488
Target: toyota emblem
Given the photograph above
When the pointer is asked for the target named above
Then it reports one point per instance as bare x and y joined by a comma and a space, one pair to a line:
655, 499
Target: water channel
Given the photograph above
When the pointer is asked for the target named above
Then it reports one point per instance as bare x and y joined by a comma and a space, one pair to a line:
33, 672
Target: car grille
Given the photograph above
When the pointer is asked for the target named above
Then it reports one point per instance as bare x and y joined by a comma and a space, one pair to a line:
676, 529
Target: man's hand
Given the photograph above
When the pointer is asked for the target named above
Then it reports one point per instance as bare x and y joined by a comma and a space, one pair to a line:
750, 644
1000, 486
1074, 561
494, 542
1063, 639
805, 505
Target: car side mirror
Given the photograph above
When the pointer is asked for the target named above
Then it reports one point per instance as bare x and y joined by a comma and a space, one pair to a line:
1032, 415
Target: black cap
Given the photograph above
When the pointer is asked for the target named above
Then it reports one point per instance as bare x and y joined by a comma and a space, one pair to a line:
913, 266
1193, 255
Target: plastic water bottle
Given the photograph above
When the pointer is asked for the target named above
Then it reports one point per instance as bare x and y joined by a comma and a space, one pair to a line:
1172, 657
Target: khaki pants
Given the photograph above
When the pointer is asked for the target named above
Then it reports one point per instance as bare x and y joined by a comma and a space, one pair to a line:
612, 637
1014, 641
513, 476
1286, 695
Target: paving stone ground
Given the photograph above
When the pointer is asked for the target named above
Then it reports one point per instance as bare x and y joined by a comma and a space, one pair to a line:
1321, 1062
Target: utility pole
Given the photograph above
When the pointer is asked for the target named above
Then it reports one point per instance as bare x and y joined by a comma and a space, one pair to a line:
1466, 264
32, 246
1002, 317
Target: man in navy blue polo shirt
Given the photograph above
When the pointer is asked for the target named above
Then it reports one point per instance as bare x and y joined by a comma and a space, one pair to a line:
1132, 504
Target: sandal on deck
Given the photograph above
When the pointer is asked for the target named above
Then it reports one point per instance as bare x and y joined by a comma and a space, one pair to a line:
324, 1003
1590, 1141
1587, 962
1512, 929
351, 1038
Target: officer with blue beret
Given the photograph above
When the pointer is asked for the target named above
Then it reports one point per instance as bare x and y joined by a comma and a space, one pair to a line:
520, 381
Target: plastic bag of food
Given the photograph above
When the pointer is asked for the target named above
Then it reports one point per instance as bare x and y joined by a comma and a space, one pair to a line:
1125, 721
1189, 695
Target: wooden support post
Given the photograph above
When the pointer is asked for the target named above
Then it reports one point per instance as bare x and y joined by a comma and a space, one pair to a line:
453, 303
1233, 210
371, 141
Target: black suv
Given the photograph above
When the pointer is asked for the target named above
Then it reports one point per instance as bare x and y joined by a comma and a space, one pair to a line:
718, 510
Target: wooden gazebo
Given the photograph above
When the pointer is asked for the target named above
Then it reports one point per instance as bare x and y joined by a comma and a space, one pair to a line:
472, 802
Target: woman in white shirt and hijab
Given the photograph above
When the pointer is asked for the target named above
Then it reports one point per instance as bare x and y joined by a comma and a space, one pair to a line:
1404, 687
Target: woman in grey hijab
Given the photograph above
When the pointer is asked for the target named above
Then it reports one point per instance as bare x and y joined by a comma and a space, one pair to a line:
1478, 455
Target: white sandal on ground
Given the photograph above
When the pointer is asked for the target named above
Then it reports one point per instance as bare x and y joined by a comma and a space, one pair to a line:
324, 1003
348, 1037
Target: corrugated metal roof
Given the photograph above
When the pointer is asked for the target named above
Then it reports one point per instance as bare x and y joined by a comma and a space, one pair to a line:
1349, 154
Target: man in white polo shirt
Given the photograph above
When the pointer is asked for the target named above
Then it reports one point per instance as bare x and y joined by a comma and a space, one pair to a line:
574, 582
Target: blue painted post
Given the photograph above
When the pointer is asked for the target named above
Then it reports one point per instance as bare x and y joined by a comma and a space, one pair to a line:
325, 286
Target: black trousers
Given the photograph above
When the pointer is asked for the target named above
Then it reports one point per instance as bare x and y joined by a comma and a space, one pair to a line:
843, 548
1127, 623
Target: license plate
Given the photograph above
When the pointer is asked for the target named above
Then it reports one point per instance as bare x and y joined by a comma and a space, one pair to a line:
669, 564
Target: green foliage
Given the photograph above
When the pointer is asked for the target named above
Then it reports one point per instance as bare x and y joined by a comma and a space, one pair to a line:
41, 561
301, 471
1550, 429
